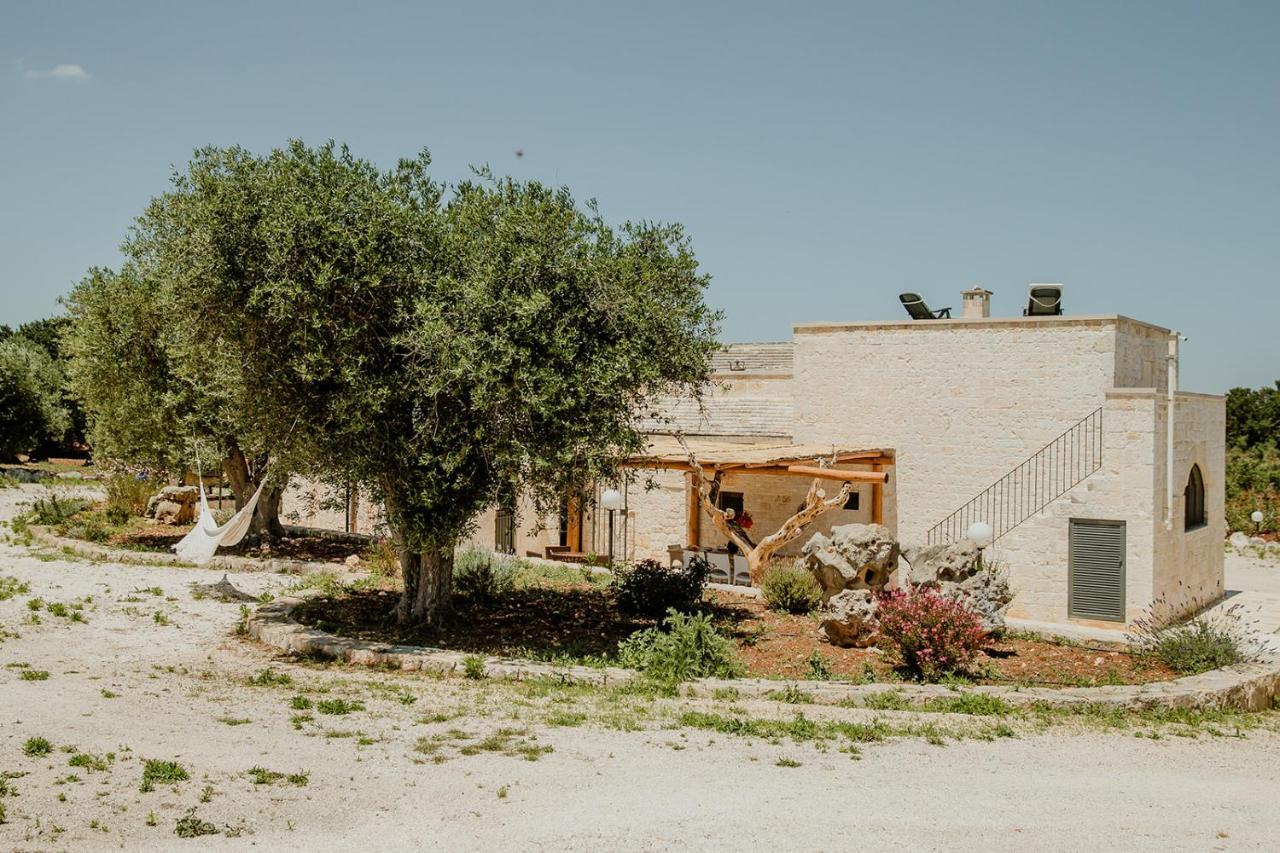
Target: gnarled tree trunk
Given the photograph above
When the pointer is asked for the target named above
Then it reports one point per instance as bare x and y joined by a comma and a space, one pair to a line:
428, 585
266, 516
759, 553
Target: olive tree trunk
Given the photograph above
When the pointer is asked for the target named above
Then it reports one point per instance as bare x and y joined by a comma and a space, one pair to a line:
266, 515
428, 585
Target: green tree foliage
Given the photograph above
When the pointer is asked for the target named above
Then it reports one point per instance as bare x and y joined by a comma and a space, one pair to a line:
1253, 457
31, 409
442, 351
1253, 416
118, 367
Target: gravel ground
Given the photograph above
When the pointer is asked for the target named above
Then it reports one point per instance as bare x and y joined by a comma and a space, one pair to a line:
176, 687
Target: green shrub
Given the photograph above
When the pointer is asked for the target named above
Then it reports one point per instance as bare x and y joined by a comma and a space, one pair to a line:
684, 647
648, 588
481, 576
1253, 483
382, 558
127, 496
89, 531
791, 589
53, 510
1191, 647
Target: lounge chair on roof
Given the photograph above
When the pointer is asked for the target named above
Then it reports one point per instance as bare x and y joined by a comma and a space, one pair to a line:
918, 310
1045, 300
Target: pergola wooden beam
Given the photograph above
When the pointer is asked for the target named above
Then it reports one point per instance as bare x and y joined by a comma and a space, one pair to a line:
832, 474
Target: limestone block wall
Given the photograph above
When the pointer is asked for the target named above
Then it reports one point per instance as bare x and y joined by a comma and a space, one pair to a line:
1189, 563
1125, 489
1142, 355
533, 532
310, 503
961, 402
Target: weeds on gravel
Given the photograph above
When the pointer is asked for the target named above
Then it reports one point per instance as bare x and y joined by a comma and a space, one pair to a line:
11, 586
262, 776
34, 675
473, 667
339, 707
37, 747
270, 678
977, 704
791, 694
889, 700
156, 772
90, 762
191, 826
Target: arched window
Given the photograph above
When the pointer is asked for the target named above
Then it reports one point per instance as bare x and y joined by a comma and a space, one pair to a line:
1194, 495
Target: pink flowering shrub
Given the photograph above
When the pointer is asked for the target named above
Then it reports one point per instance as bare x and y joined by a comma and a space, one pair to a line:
931, 633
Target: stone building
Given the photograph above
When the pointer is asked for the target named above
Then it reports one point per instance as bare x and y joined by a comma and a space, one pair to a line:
1104, 489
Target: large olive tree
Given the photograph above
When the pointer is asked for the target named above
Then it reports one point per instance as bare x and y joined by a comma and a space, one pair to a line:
152, 395
443, 349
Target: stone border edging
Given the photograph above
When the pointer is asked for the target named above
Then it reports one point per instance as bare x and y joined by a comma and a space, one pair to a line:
1248, 686
227, 563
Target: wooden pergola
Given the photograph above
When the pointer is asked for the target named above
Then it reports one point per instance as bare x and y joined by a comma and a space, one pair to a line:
719, 456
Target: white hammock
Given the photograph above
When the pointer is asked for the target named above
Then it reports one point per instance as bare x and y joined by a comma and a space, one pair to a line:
199, 545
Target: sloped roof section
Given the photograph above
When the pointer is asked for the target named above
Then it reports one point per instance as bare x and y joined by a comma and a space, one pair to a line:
722, 416
769, 357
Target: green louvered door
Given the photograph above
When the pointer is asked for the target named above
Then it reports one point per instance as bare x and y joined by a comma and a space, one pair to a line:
1095, 558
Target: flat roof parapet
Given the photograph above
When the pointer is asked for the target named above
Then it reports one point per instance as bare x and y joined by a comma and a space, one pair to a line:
1003, 322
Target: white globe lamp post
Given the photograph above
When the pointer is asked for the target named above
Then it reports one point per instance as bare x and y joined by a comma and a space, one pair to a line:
1256, 518
981, 534
611, 499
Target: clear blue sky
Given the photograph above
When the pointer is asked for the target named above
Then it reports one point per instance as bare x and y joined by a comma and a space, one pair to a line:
824, 157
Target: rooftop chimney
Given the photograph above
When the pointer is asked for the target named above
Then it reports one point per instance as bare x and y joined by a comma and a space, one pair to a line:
977, 303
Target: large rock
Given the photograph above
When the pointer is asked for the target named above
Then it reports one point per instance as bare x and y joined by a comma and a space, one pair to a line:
174, 505
951, 562
850, 621
855, 556
986, 592
1239, 539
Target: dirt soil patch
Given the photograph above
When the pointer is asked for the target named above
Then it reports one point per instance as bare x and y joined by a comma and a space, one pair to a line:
583, 623
162, 537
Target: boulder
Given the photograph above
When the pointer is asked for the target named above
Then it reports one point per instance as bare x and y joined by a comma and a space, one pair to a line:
986, 592
174, 505
855, 556
850, 621
952, 562
1239, 540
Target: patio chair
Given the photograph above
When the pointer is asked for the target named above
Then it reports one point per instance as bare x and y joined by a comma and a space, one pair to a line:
741, 570
1045, 300
918, 310
721, 566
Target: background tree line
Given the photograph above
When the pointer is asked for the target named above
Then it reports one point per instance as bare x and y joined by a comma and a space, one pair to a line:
1253, 457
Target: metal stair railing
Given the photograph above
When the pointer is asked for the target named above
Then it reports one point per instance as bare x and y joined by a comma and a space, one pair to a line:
1045, 476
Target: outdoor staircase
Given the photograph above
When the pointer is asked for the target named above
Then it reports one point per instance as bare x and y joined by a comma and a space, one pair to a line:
1044, 477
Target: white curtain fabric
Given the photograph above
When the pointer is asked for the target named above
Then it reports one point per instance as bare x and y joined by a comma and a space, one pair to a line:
199, 545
